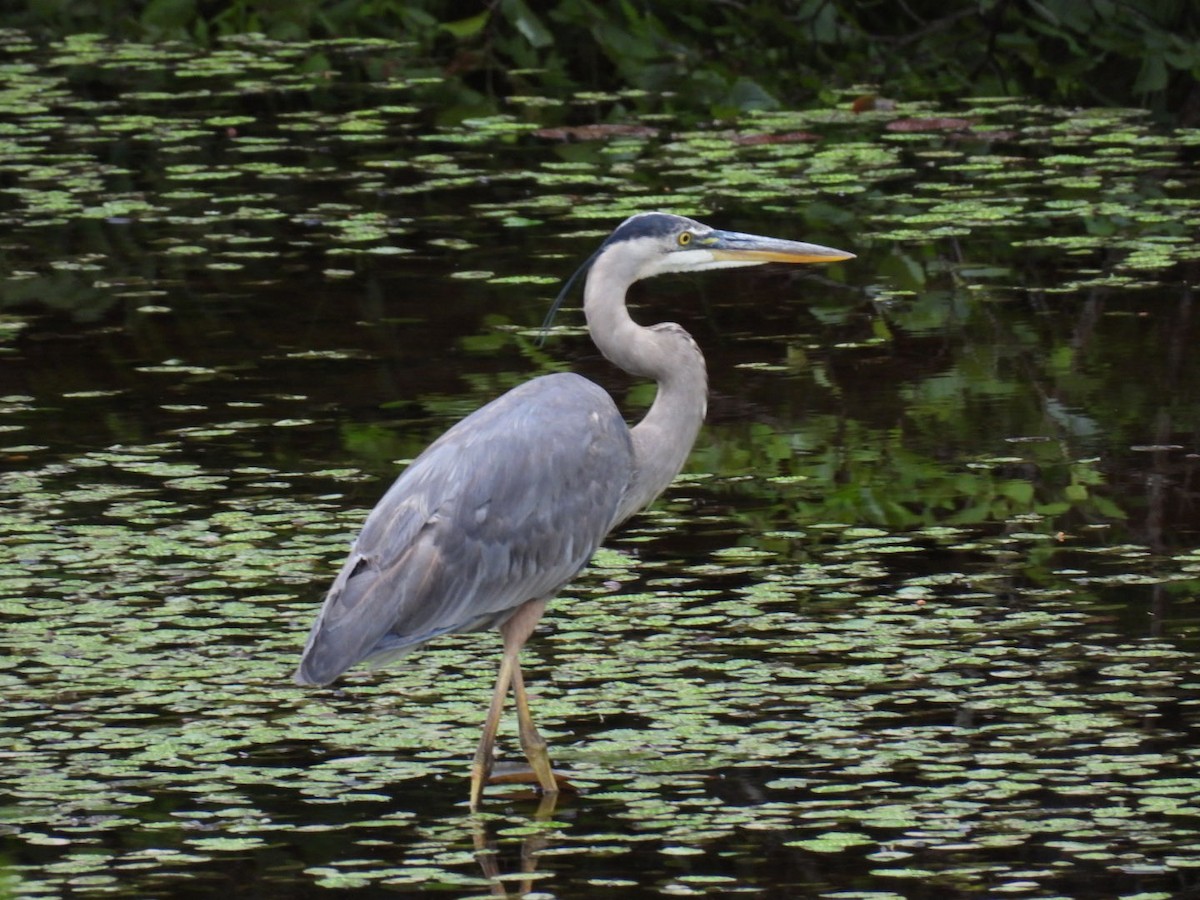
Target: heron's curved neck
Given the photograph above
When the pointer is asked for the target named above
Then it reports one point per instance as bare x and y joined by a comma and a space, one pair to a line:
664, 437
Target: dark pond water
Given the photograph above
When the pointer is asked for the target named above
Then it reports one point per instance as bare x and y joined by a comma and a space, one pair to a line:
919, 619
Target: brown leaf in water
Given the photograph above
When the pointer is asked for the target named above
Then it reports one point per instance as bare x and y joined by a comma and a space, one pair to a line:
869, 102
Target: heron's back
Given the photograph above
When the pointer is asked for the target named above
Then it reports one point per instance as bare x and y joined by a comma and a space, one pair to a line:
506, 506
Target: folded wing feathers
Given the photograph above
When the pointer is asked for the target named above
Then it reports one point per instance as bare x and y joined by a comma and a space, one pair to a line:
506, 506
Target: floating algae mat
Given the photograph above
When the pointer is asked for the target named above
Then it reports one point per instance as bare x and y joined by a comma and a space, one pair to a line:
919, 619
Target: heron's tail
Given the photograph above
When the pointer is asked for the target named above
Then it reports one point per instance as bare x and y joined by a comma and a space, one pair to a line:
324, 660
314, 671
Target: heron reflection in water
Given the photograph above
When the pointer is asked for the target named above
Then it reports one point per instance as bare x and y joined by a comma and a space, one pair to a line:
505, 508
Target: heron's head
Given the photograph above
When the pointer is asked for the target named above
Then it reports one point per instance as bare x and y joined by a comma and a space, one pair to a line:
653, 243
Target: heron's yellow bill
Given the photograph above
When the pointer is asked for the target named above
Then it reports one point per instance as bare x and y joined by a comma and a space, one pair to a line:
733, 246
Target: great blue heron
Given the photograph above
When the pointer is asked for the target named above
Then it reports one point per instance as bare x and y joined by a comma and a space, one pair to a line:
505, 508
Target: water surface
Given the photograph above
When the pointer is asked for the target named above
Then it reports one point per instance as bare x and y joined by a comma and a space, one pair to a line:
918, 620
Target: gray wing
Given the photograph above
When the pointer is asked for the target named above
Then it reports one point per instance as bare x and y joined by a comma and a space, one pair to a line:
506, 506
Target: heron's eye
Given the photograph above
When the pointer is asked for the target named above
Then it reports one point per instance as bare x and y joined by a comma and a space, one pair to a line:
685, 238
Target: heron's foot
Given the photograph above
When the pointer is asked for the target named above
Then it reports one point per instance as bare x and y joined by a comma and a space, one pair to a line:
517, 775
481, 774
521, 773
538, 754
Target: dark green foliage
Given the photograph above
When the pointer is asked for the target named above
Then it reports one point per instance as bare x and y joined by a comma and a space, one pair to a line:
719, 57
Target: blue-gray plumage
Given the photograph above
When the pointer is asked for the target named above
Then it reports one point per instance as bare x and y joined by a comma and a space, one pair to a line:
476, 523
506, 507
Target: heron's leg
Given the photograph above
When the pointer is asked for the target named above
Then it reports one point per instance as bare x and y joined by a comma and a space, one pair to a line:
532, 742
516, 632
481, 770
